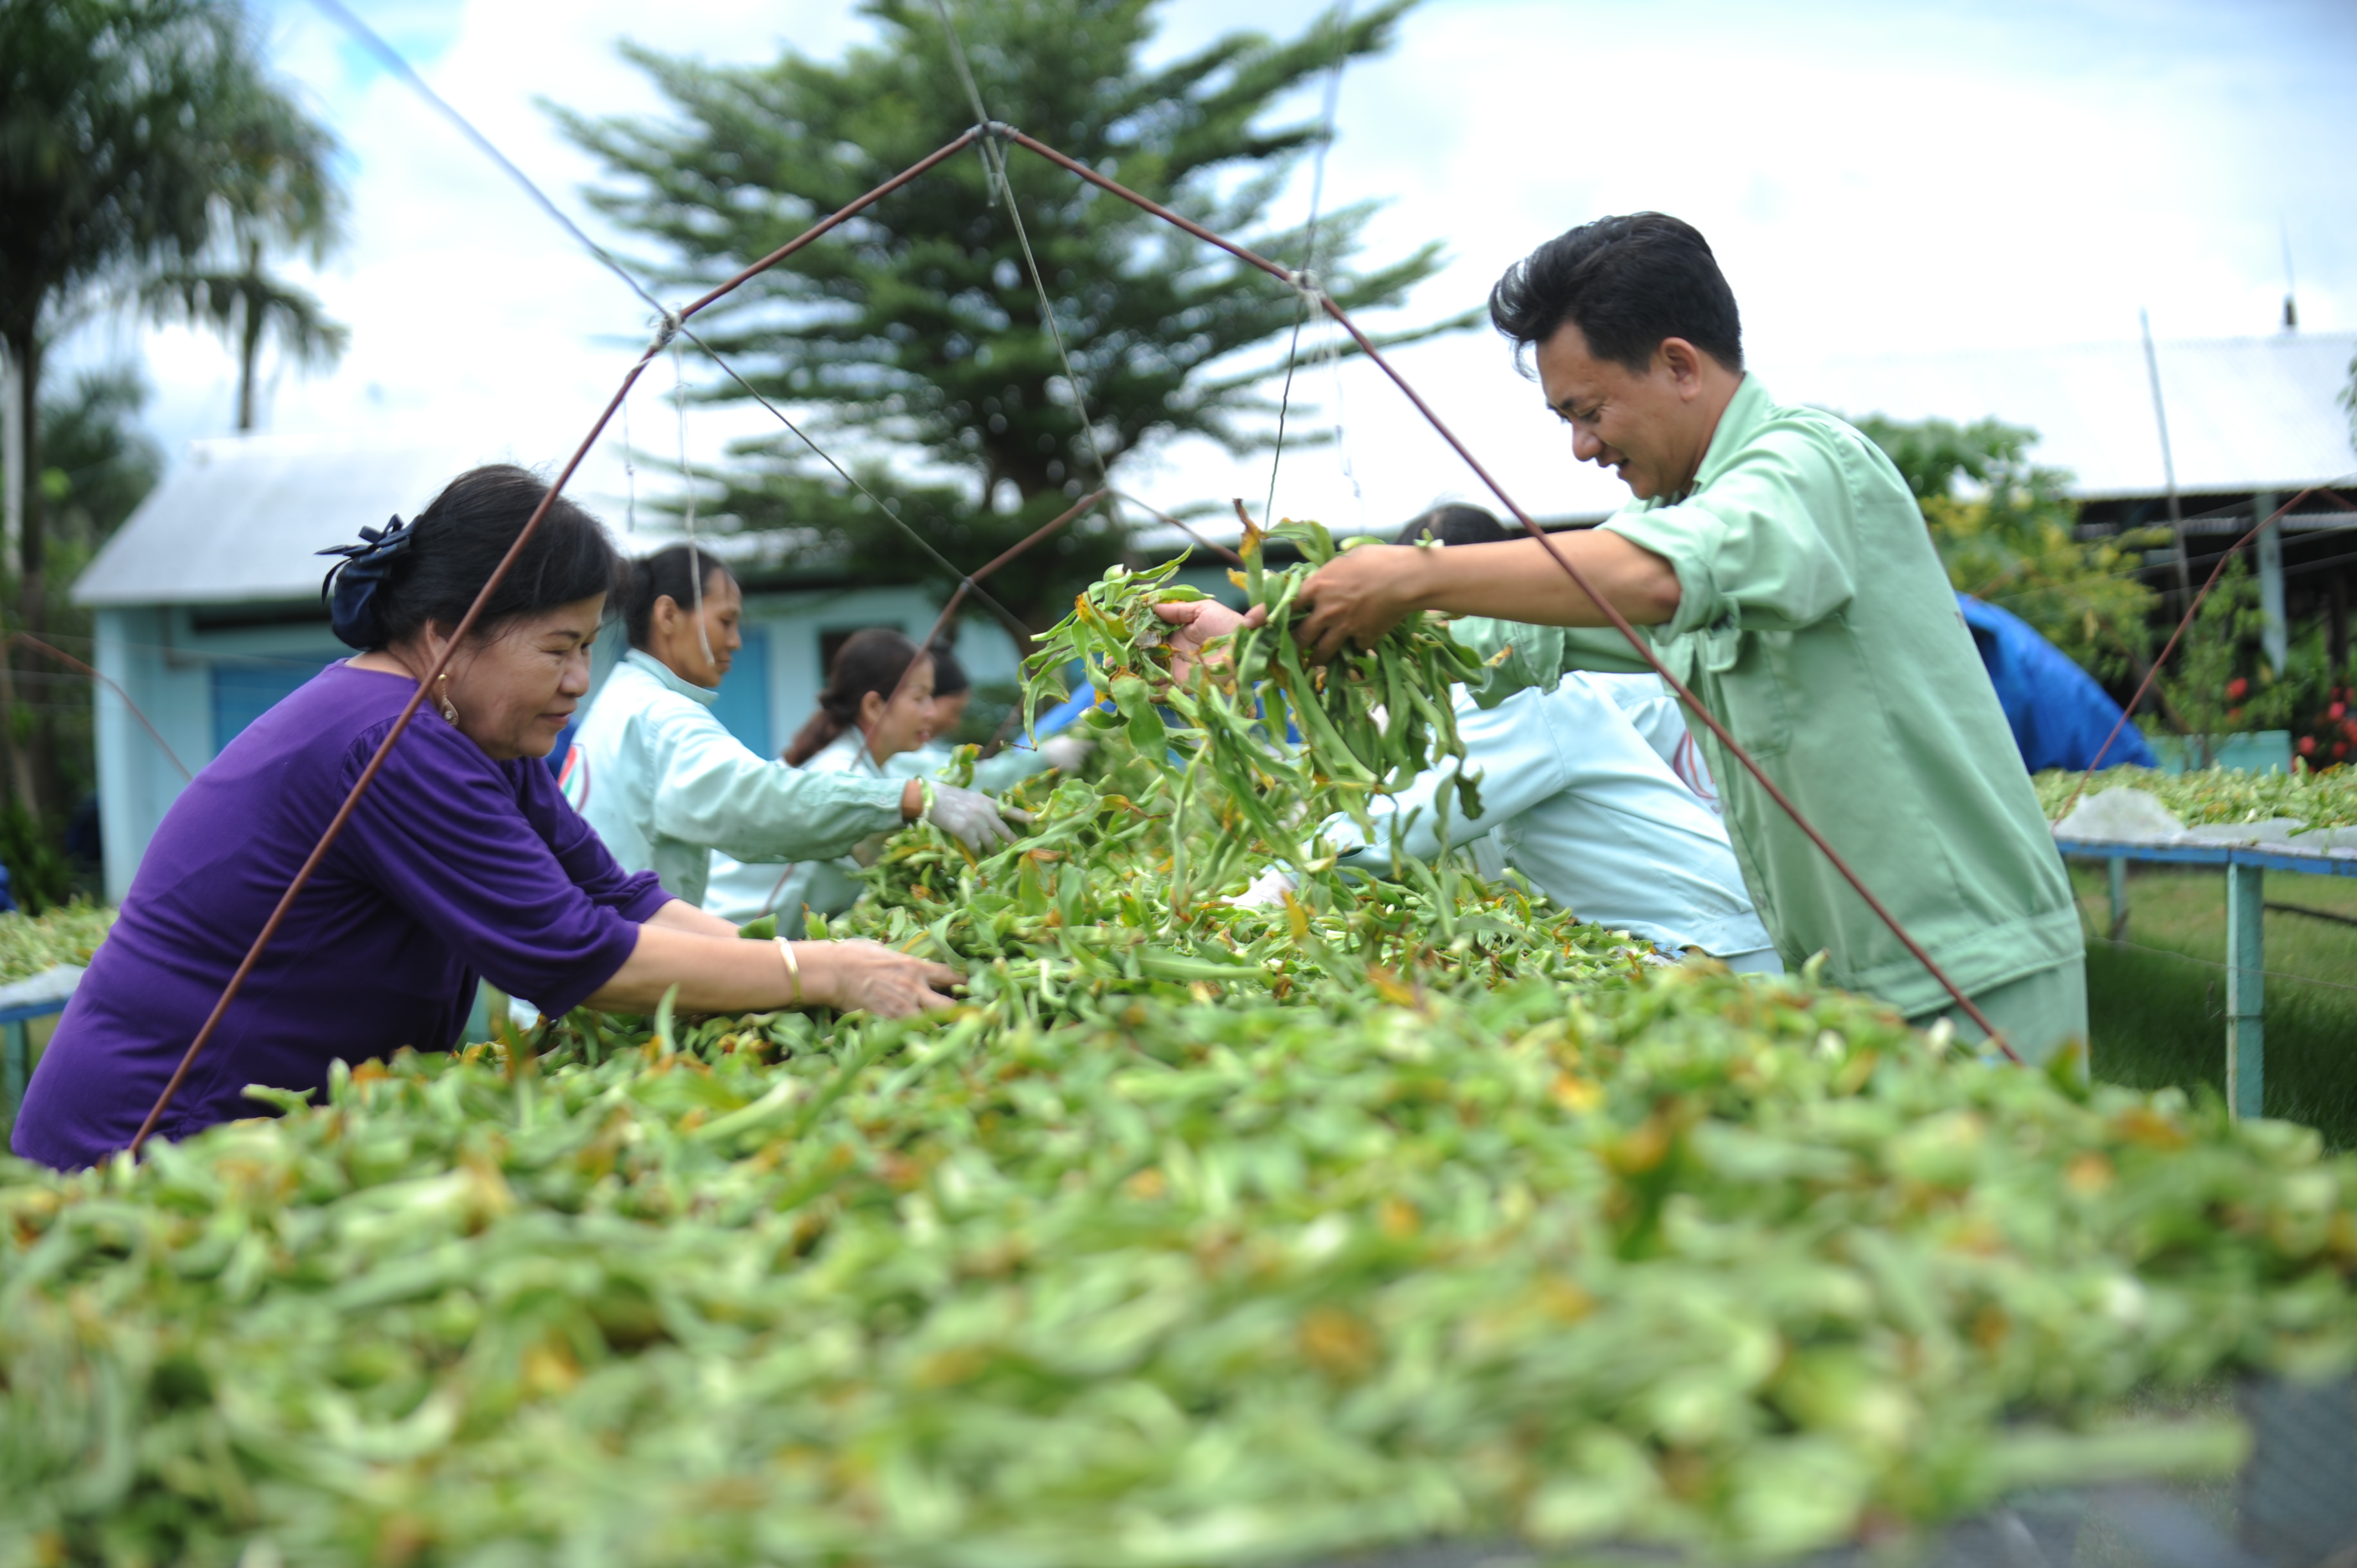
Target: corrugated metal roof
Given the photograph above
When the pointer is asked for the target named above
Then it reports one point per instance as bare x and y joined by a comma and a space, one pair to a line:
241, 517
2245, 414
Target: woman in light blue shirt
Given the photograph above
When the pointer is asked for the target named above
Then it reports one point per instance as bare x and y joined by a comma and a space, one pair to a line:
666, 785
877, 706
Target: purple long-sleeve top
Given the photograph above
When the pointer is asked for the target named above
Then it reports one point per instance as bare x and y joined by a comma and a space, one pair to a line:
453, 867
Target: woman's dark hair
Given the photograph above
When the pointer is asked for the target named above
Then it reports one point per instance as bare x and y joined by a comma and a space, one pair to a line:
1628, 283
666, 574
948, 675
871, 660
457, 541
1456, 524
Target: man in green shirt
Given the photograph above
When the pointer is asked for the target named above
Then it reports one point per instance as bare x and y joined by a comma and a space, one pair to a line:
1782, 570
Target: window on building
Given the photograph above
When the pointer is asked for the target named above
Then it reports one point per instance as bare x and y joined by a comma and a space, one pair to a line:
743, 708
245, 689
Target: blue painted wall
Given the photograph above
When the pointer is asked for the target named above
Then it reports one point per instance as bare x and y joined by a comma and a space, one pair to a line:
243, 693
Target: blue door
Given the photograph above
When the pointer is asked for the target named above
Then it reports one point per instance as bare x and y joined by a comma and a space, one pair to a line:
744, 704
245, 691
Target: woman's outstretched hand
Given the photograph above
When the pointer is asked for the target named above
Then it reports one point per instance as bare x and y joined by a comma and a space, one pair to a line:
858, 975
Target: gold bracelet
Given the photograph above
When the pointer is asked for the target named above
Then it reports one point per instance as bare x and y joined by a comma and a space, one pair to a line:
793, 966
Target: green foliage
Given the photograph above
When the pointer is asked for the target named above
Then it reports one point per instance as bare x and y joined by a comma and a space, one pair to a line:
915, 333
280, 195
65, 933
2004, 526
39, 876
2349, 400
1745, 1270
2219, 681
131, 132
98, 463
2326, 800
1201, 1235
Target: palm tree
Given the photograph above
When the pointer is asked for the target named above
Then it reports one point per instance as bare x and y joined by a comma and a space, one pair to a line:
277, 194
246, 305
131, 132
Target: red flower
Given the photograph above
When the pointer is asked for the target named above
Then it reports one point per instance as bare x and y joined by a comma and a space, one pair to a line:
2337, 711
2237, 689
2339, 750
2308, 745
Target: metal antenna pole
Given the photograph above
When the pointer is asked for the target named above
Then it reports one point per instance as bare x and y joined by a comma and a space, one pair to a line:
2167, 459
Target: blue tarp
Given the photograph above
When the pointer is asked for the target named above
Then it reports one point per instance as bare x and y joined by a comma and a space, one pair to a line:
2059, 716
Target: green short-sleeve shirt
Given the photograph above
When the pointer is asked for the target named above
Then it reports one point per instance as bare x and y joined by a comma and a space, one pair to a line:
1816, 621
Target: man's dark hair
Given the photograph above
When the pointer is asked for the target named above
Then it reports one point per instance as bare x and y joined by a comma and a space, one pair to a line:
1457, 524
666, 574
1628, 283
463, 534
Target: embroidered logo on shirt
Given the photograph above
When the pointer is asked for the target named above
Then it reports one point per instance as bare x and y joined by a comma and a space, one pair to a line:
572, 779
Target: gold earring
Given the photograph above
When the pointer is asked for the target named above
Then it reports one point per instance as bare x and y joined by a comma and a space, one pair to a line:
449, 711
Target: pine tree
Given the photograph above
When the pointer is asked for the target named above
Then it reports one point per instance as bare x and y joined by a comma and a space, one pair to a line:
915, 333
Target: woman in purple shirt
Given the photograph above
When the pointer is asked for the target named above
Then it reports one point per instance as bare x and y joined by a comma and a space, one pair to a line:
461, 861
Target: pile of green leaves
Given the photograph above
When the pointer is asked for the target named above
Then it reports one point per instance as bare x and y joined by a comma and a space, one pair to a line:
68, 933
2326, 799
1204, 1232
1687, 1261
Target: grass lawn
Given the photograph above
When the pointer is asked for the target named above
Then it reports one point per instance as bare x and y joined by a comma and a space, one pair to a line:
2158, 1018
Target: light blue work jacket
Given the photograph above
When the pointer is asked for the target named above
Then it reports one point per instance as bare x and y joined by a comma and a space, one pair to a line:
666, 785
1584, 805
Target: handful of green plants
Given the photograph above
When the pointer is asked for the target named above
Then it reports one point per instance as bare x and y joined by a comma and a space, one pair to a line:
1272, 745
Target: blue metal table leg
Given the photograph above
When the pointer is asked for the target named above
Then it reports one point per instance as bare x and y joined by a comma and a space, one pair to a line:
2117, 866
2246, 1027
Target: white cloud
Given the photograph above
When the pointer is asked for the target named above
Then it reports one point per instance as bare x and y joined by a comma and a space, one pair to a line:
1873, 178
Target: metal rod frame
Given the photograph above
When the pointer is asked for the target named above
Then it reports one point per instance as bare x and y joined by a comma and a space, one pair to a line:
996, 129
474, 613
1529, 525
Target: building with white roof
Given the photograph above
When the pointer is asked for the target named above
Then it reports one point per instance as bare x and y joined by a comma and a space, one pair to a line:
208, 610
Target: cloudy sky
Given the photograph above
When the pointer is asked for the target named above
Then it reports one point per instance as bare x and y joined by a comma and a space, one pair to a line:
1874, 176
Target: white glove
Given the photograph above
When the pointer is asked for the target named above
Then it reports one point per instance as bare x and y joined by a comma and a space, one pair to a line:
1066, 752
1269, 887
970, 817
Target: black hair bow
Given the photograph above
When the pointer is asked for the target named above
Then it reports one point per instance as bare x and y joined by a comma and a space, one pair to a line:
351, 584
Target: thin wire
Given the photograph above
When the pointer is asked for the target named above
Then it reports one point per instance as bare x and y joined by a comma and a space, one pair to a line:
25, 640
630, 475
1578, 578
1024, 633
2096, 938
996, 167
391, 56
401, 68
1221, 551
2153, 673
694, 553
1309, 262
467, 623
